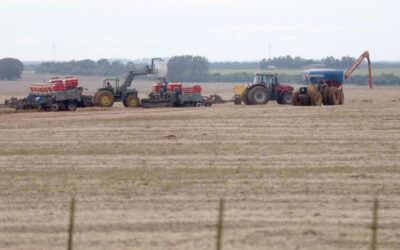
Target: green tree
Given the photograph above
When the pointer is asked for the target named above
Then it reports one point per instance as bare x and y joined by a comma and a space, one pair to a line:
11, 68
188, 68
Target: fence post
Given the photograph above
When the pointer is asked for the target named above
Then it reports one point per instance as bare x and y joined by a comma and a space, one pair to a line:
71, 223
374, 226
220, 224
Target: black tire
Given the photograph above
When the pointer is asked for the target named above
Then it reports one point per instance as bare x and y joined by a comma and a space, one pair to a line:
325, 96
104, 98
132, 101
341, 100
54, 107
316, 99
258, 96
245, 98
72, 106
334, 96
286, 98
295, 99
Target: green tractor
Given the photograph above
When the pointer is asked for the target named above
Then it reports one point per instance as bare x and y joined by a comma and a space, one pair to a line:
112, 91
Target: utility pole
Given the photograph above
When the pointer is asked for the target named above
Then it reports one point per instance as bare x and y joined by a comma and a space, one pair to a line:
269, 51
54, 51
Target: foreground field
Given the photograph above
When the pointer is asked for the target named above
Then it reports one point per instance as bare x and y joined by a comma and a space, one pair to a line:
292, 177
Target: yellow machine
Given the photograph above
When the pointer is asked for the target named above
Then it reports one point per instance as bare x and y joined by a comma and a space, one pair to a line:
238, 93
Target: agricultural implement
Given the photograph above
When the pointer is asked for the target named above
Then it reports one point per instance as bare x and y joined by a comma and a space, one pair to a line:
58, 95
264, 88
112, 91
325, 86
173, 94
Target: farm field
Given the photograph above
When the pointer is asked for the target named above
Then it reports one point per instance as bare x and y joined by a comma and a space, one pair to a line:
292, 177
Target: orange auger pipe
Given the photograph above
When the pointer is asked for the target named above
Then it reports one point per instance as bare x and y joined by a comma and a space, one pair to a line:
356, 64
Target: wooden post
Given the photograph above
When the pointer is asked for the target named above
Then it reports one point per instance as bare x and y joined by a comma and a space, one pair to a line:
374, 226
220, 224
71, 223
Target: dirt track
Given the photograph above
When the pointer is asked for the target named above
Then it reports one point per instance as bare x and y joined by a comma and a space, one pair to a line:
292, 177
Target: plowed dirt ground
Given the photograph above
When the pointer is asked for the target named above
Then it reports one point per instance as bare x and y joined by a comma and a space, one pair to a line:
291, 177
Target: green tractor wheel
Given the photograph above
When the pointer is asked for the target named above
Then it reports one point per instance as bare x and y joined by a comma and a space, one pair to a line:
132, 101
104, 98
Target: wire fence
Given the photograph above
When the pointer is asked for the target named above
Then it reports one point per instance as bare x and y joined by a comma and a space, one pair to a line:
220, 225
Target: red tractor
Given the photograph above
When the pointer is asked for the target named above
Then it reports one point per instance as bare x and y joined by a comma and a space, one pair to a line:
265, 87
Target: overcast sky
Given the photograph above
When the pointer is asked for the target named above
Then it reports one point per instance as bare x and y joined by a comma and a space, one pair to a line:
221, 30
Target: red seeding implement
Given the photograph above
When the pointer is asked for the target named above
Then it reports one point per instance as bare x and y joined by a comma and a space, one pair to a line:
57, 95
174, 95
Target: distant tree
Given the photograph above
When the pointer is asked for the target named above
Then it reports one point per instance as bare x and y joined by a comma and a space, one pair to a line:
11, 68
103, 67
188, 68
130, 66
288, 62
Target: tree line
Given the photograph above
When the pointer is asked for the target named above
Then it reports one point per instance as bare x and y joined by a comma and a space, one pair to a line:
190, 68
288, 62
101, 67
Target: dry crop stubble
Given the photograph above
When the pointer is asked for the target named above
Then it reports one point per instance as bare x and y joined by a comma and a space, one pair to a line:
291, 176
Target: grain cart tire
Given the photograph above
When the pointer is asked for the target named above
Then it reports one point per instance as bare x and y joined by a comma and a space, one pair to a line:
245, 97
104, 98
55, 107
72, 106
316, 99
334, 96
341, 100
132, 101
325, 96
258, 96
286, 98
295, 99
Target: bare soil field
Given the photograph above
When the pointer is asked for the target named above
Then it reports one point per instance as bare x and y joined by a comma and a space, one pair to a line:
291, 177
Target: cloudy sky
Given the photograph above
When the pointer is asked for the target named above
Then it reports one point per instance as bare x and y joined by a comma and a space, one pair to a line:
221, 30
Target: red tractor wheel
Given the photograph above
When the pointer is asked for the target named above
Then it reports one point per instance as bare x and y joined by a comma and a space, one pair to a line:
286, 98
245, 98
258, 96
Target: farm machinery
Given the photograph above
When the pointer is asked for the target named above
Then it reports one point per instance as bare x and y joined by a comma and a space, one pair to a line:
173, 94
58, 95
325, 86
264, 88
112, 91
